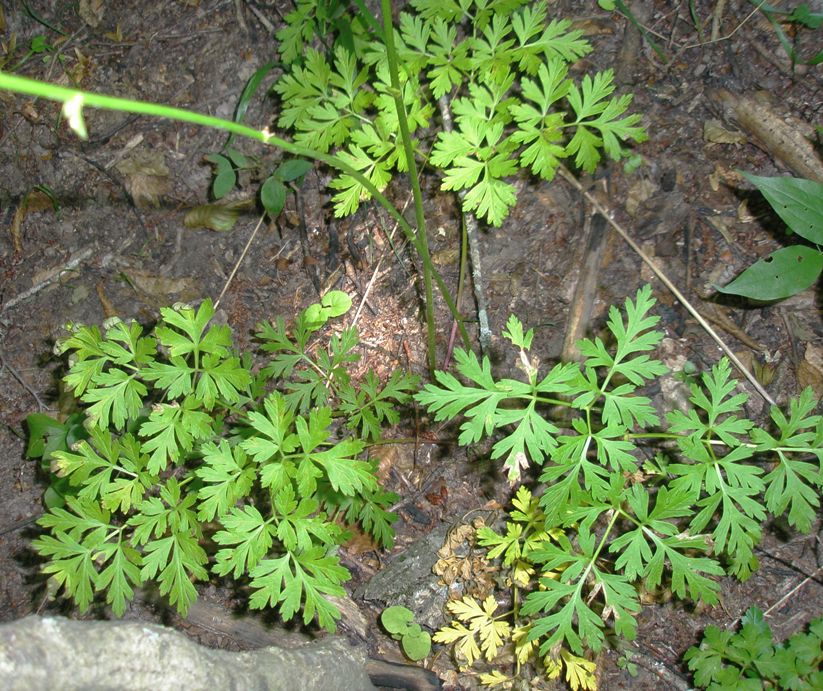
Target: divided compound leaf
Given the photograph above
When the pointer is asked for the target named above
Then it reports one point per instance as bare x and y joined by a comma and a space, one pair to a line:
749, 658
207, 446
500, 67
692, 515
227, 476
249, 538
295, 581
491, 632
595, 110
794, 483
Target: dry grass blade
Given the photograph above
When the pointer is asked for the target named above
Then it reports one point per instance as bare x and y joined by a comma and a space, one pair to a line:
667, 282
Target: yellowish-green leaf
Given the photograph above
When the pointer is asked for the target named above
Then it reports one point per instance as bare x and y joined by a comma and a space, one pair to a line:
480, 618
579, 671
523, 647
495, 678
465, 646
219, 217
552, 666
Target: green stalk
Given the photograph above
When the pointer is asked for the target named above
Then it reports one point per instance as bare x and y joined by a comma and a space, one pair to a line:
74, 100
422, 242
32, 87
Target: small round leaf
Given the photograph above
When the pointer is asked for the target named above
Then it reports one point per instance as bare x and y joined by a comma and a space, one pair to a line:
292, 169
316, 316
238, 158
396, 619
417, 647
223, 183
336, 303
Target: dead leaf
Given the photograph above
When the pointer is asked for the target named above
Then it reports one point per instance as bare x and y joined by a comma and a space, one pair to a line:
721, 225
91, 12
35, 200
638, 193
28, 111
81, 69
146, 177
810, 370
115, 36
159, 286
715, 133
743, 213
723, 175
108, 308
218, 217
359, 542
718, 316
393, 457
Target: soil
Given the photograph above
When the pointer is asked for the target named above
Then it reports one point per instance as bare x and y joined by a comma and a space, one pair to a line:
104, 249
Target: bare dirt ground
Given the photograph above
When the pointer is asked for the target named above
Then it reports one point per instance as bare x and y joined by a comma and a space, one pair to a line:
102, 253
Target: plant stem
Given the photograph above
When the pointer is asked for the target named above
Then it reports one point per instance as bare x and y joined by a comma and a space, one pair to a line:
470, 225
33, 87
421, 239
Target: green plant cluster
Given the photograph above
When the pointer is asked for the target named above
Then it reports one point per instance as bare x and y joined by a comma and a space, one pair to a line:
749, 660
399, 623
501, 65
478, 630
618, 517
189, 459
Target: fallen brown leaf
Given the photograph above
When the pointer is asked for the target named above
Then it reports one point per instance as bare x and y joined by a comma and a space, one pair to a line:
146, 177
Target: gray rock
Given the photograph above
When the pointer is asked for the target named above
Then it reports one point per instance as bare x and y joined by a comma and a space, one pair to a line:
56, 653
408, 580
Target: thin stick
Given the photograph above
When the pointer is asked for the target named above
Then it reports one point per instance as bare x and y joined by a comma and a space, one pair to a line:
783, 599
728, 35
717, 18
239, 261
57, 274
485, 336
4, 364
370, 284
665, 280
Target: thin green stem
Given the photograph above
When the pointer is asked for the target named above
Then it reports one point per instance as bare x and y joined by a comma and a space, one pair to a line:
80, 99
605, 538
552, 401
421, 239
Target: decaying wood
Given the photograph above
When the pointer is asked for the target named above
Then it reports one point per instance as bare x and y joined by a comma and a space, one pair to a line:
784, 137
580, 310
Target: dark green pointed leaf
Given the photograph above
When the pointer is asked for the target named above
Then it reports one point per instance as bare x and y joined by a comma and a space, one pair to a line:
237, 157
780, 275
273, 196
798, 202
292, 169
